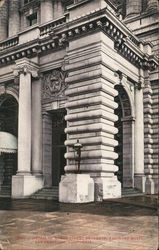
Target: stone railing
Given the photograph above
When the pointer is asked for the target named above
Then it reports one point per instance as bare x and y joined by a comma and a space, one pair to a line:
10, 42
47, 28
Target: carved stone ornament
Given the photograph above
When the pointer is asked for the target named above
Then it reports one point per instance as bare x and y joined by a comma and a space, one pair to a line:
53, 84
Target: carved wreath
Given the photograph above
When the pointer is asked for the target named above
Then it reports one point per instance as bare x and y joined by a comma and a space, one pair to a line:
54, 84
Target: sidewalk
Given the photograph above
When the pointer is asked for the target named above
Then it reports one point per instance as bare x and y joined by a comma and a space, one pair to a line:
123, 224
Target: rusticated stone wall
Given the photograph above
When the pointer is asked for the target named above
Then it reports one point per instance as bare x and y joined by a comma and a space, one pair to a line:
90, 115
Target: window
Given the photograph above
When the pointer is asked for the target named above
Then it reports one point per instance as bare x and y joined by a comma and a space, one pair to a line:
32, 19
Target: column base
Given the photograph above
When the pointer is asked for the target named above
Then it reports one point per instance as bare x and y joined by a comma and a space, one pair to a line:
76, 188
139, 182
152, 184
149, 185
128, 182
25, 185
107, 188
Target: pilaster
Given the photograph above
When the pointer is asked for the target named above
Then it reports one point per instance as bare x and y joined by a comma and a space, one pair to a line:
139, 178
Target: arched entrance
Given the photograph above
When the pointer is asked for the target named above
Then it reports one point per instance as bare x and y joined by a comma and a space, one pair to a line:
125, 148
8, 123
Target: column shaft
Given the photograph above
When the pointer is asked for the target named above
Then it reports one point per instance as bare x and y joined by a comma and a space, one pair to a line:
24, 124
58, 9
3, 19
139, 180
14, 18
139, 133
36, 128
46, 11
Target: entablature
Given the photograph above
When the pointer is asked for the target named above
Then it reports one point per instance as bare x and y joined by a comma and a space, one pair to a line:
60, 33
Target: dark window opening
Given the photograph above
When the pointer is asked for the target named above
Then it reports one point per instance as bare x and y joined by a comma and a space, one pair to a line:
32, 19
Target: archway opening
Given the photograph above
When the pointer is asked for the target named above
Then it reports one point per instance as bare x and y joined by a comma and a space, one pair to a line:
58, 146
8, 123
124, 137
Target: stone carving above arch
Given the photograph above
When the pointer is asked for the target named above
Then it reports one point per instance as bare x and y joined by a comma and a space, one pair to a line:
53, 84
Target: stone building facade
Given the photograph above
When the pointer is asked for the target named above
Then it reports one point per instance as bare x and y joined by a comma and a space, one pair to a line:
83, 70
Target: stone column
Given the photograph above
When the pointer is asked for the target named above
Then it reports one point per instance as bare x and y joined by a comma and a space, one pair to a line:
46, 10
36, 128
139, 181
14, 18
3, 19
24, 127
58, 9
133, 7
152, 5
24, 183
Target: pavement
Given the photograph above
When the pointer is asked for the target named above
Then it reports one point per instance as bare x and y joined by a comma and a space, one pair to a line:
129, 223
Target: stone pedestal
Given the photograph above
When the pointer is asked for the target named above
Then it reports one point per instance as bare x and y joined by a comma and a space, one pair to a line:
107, 188
24, 186
76, 188
139, 182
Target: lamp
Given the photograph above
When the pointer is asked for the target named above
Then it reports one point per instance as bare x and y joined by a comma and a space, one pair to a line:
77, 148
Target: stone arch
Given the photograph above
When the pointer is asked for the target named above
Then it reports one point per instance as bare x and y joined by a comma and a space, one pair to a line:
9, 91
125, 136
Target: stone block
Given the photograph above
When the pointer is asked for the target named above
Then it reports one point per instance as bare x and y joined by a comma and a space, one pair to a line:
25, 185
107, 188
139, 182
76, 188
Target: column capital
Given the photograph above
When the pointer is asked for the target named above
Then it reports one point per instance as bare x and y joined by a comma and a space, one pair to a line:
140, 84
25, 66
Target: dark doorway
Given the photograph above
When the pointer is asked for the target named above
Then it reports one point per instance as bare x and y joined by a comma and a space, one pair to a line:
8, 123
58, 147
119, 138
124, 138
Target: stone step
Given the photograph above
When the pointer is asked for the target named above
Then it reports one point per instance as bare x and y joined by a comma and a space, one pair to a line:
5, 195
5, 192
50, 193
131, 192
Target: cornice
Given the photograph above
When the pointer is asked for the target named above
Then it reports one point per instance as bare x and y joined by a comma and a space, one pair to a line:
125, 43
